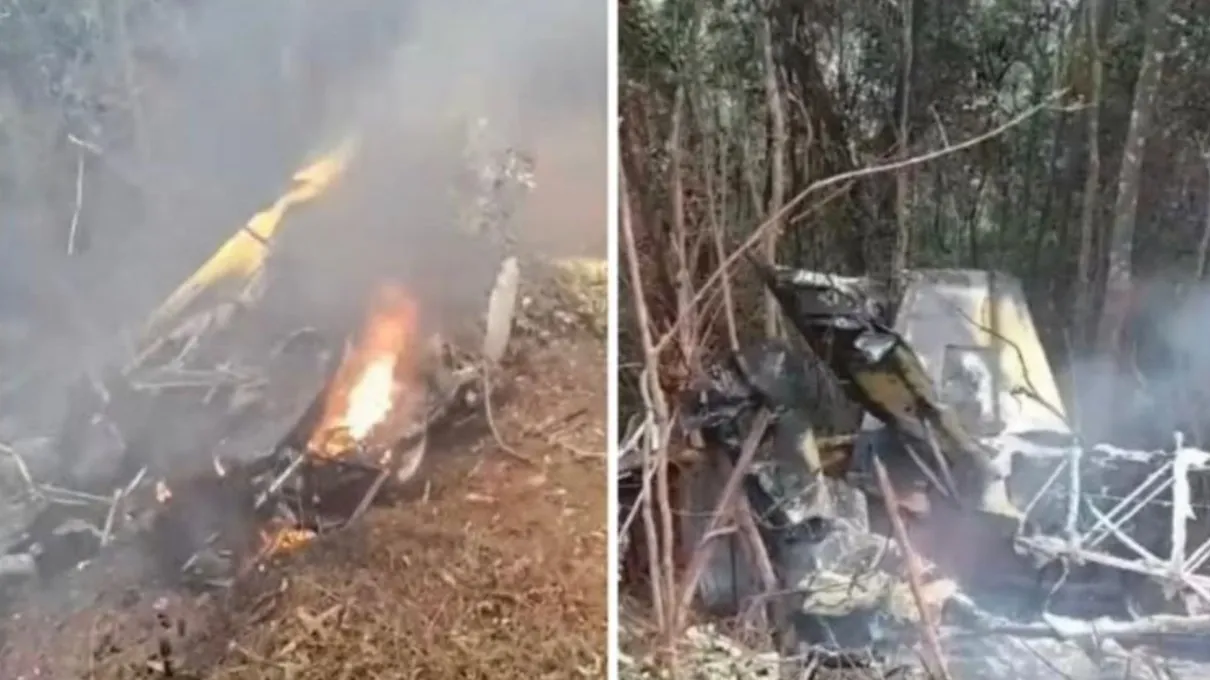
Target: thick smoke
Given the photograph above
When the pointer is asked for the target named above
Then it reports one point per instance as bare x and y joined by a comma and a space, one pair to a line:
235, 96
1156, 386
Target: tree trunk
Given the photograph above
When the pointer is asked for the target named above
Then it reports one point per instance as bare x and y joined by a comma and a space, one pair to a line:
681, 274
1125, 209
777, 166
903, 235
1203, 247
1084, 282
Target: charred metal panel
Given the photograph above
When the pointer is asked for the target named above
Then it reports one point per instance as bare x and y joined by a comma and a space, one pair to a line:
976, 339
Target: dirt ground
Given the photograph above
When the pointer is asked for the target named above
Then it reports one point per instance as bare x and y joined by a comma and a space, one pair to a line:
495, 567
498, 571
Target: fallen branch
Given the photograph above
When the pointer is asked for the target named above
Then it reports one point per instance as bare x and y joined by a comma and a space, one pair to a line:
704, 549
111, 517
485, 376
746, 528
934, 658
75, 214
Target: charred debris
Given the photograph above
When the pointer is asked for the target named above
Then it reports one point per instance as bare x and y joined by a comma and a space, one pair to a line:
205, 466
963, 527
242, 429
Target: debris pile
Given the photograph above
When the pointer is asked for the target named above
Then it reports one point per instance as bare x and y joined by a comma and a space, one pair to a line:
708, 654
363, 434
228, 440
964, 530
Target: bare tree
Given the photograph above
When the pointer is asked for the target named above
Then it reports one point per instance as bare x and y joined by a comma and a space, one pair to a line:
1125, 209
1088, 221
777, 162
1203, 246
903, 236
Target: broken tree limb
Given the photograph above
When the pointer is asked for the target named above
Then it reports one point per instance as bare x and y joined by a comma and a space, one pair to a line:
747, 529
934, 658
74, 227
704, 547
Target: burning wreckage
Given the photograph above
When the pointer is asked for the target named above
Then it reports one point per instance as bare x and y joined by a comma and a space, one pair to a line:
1014, 549
226, 440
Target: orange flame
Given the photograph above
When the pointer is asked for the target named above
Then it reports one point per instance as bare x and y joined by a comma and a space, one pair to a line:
285, 539
369, 386
371, 397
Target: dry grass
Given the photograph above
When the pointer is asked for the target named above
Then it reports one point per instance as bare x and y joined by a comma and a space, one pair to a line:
462, 587
499, 573
497, 570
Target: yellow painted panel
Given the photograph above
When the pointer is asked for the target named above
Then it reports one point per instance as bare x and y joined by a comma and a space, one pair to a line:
1023, 362
242, 255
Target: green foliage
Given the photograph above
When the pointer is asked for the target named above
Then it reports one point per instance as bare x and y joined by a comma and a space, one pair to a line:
1012, 203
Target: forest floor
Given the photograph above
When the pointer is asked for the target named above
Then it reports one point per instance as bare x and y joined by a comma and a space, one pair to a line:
497, 571
494, 566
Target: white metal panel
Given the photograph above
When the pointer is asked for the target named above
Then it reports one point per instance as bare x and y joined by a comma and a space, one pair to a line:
980, 322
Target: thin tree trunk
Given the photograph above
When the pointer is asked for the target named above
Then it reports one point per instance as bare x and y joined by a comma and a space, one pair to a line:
777, 165
748, 160
1203, 248
681, 274
662, 580
1125, 209
903, 235
716, 211
1084, 268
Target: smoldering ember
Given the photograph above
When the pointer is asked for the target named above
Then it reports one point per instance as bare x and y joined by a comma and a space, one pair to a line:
317, 423
966, 530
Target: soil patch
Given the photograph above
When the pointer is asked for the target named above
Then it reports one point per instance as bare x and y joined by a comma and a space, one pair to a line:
492, 567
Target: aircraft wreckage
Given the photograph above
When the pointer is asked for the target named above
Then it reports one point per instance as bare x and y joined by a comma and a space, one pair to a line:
1022, 533
246, 422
